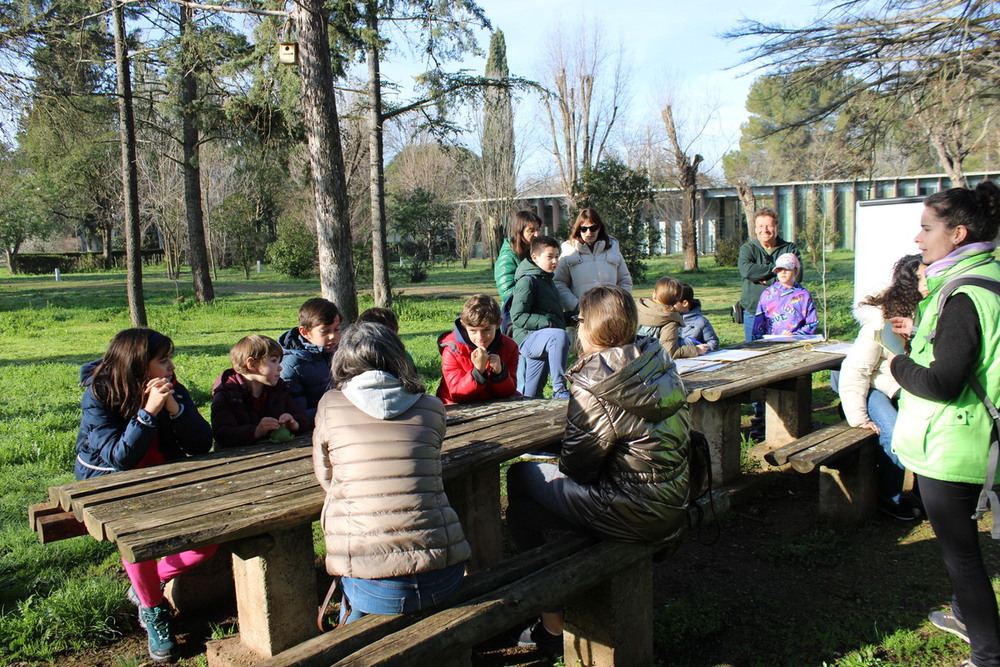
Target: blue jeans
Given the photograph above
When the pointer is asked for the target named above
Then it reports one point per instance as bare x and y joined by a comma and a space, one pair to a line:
544, 351
882, 410
748, 325
399, 595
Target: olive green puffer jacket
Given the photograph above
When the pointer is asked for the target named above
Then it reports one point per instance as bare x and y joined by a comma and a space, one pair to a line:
626, 443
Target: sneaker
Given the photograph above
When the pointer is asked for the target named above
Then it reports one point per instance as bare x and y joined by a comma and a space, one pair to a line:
133, 597
538, 456
899, 510
945, 620
161, 637
562, 396
535, 636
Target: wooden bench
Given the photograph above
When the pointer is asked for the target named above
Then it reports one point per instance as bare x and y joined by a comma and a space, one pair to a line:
845, 457
604, 587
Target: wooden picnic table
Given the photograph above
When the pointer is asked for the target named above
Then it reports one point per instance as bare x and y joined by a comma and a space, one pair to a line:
784, 371
262, 500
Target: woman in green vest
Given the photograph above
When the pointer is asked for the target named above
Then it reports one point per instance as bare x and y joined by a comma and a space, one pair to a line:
943, 429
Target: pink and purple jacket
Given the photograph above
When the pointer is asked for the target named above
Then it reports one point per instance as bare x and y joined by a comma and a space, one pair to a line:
785, 310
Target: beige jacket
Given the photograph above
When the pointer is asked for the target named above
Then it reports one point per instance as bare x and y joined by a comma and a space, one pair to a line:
377, 453
664, 324
865, 367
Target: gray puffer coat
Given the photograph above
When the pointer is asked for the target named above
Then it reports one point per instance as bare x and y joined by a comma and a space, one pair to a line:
626, 443
377, 454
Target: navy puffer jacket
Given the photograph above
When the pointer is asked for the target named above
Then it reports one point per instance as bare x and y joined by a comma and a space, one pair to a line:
306, 369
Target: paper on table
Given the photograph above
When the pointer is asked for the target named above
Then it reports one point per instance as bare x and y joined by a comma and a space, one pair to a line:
731, 355
795, 337
835, 348
695, 365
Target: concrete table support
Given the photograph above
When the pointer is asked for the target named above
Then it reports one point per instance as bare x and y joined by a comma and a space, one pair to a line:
720, 422
789, 410
476, 500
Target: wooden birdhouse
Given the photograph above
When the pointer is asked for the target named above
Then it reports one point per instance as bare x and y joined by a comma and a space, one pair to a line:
288, 53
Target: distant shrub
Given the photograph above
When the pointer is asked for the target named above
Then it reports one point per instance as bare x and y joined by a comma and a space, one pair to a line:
727, 252
39, 264
294, 254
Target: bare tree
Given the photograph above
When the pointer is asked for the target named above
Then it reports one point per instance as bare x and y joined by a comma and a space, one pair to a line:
686, 174
900, 49
588, 83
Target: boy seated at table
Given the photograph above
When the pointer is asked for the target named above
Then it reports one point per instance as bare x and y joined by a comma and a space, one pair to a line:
477, 361
786, 307
308, 350
250, 401
697, 329
388, 319
660, 317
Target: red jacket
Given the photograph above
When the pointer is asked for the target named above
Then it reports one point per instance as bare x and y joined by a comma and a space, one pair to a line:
235, 417
461, 382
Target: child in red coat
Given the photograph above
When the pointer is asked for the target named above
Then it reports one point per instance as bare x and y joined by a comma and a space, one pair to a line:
478, 363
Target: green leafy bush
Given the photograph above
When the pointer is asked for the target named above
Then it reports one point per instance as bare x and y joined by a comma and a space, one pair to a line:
727, 252
294, 254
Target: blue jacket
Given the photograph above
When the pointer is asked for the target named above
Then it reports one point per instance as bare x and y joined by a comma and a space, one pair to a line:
306, 369
697, 329
108, 442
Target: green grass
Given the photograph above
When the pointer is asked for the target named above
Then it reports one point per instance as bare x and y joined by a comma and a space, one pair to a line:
68, 596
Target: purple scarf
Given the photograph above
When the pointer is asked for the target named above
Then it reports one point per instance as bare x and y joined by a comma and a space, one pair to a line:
957, 255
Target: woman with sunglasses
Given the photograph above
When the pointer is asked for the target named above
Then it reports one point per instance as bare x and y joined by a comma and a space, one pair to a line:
589, 258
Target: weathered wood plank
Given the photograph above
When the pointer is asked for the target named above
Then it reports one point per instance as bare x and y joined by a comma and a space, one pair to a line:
839, 445
445, 634
55, 527
780, 456
337, 644
42, 509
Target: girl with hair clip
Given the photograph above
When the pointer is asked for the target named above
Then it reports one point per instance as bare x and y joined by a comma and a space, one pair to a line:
943, 431
391, 535
868, 393
525, 226
590, 257
136, 415
623, 470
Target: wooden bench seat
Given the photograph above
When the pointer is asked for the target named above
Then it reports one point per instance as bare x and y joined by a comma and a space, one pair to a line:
604, 587
845, 458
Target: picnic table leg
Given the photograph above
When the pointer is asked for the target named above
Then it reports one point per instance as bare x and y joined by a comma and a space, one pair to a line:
720, 422
476, 500
276, 592
789, 410
612, 623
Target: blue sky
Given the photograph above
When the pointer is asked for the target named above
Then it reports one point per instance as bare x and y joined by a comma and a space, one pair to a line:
671, 45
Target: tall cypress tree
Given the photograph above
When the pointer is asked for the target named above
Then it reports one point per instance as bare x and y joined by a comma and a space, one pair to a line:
498, 148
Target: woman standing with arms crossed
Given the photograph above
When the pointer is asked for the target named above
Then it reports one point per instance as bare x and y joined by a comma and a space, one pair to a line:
589, 258
943, 429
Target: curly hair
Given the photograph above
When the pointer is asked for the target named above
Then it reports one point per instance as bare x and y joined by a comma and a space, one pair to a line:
901, 297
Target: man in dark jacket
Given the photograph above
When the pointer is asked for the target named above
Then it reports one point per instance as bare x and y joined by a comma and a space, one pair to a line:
756, 263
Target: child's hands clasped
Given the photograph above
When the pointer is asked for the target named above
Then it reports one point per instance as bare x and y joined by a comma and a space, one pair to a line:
159, 395
481, 359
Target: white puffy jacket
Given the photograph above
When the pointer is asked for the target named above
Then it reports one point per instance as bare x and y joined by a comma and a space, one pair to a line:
865, 367
582, 267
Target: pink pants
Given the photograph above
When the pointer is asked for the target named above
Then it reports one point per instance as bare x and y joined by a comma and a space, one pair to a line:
147, 575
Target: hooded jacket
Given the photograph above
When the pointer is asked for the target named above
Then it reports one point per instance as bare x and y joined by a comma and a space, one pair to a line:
698, 328
235, 416
582, 267
626, 443
461, 382
504, 270
377, 454
865, 367
664, 324
306, 369
108, 442
536, 303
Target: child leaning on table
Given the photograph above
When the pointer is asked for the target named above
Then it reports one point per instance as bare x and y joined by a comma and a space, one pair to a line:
134, 415
660, 317
697, 329
786, 307
391, 536
250, 401
478, 363
309, 348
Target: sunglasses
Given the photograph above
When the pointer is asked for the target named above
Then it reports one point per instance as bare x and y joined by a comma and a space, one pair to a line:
589, 228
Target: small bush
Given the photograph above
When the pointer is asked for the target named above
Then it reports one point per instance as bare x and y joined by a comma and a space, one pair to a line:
295, 252
727, 252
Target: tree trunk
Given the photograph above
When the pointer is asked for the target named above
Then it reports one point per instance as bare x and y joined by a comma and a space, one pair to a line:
197, 254
749, 201
130, 176
952, 164
381, 288
689, 233
326, 160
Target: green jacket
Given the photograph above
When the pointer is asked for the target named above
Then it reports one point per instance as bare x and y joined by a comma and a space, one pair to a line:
950, 441
755, 266
504, 269
536, 304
